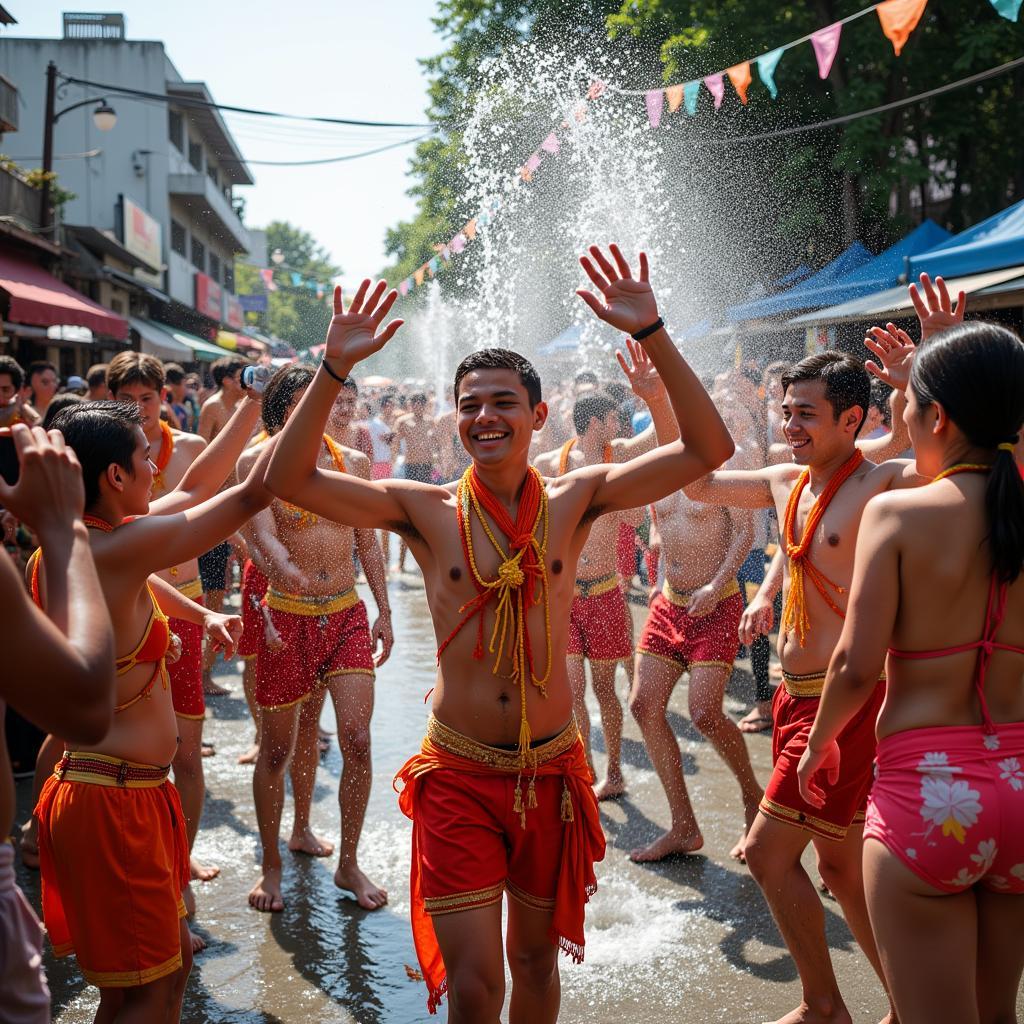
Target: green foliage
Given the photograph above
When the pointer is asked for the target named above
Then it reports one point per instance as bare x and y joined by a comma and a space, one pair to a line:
36, 178
295, 315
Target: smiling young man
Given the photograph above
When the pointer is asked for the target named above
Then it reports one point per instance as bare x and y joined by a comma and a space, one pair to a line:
819, 499
500, 794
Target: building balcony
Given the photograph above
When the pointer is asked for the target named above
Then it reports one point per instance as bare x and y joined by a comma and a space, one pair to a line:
8, 107
208, 206
19, 201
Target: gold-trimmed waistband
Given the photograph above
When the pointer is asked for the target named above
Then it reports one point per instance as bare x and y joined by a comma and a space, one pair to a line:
809, 684
102, 770
597, 586
305, 604
681, 598
446, 738
192, 589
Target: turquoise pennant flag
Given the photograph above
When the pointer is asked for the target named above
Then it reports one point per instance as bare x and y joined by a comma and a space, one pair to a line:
1009, 9
690, 93
296, 280
766, 65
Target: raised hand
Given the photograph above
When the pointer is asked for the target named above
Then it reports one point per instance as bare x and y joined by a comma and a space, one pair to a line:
355, 334
640, 372
933, 306
627, 303
895, 350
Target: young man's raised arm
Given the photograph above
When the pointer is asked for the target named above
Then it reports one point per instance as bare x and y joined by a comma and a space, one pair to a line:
629, 305
294, 475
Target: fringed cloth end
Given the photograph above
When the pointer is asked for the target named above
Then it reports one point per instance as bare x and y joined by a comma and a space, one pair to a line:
435, 995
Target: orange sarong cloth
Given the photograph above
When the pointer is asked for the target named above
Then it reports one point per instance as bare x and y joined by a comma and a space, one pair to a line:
114, 860
583, 842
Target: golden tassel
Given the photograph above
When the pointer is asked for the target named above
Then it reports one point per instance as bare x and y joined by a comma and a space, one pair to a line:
531, 795
567, 812
517, 802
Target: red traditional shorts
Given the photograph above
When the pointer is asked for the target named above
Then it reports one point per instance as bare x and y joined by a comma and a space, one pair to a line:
254, 585
793, 709
672, 633
114, 861
599, 623
323, 637
186, 674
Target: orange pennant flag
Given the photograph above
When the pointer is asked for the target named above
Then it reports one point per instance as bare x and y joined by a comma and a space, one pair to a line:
739, 75
418, 276
470, 229
674, 95
899, 18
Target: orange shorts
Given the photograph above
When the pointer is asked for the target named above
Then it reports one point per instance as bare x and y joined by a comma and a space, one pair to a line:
599, 623
254, 585
114, 861
323, 637
793, 709
675, 635
186, 674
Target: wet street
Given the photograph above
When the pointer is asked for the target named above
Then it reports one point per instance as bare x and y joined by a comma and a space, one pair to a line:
690, 940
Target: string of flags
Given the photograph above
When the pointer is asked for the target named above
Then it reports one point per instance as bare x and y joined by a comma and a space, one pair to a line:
897, 18
297, 281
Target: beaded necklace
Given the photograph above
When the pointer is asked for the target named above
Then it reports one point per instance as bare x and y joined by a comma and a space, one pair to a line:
300, 515
608, 455
794, 613
961, 467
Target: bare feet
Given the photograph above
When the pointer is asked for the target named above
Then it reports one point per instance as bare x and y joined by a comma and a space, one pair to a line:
306, 842
367, 895
208, 749
611, 788
249, 757
739, 851
202, 872
212, 689
758, 720
669, 845
265, 895
198, 942
804, 1015
29, 845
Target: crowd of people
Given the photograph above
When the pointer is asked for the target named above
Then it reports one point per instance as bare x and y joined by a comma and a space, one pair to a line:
869, 513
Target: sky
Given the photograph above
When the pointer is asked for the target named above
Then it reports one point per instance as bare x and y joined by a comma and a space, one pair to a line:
334, 58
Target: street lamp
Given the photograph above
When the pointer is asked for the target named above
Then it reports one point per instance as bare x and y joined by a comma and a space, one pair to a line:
278, 257
104, 117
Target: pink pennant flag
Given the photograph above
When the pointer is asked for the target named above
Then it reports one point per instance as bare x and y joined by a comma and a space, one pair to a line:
597, 87
826, 46
458, 243
533, 163
403, 288
655, 100
550, 144
716, 86
268, 279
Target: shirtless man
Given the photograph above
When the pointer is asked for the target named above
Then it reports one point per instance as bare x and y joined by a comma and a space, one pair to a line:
600, 622
515, 806
139, 379
42, 380
213, 564
692, 626
326, 646
417, 433
12, 408
58, 673
825, 400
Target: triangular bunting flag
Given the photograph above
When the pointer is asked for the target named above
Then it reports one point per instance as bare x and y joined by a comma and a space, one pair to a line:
470, 229
739, 75
533, 163
899, 18
826, 45
1009, 9
766, 65
716, 86
654, 99
403, 288
268, 279
691, 93
418, 276
550, 144
674, 95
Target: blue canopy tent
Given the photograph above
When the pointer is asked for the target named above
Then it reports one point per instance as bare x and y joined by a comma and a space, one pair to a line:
994, 243
567, 341
802, 296
790, 279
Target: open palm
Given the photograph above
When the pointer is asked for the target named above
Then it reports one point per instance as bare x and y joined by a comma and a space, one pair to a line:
355, 334
627, 303
934, 308
895, 351
640, 371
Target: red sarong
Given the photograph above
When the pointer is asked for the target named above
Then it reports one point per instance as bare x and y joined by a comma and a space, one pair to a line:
582, 838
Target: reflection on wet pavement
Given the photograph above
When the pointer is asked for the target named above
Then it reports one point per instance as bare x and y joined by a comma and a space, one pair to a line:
689, 939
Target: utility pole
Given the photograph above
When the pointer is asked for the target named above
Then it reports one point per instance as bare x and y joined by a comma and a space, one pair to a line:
45, 212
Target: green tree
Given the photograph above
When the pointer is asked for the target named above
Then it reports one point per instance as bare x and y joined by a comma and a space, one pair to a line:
294, 314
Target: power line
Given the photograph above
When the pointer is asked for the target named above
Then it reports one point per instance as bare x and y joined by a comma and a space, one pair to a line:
190, 101
327, 160
895, 105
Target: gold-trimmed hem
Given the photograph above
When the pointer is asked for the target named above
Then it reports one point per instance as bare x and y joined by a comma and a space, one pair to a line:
711, 664
303, 604
472, 900
350, 672
528, 899
681, 598
446, 738
801, 819
583, 590
190, 718
131, 979
246, 657
283, 707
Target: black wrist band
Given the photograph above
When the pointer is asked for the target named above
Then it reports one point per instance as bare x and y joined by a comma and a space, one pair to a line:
330, 372
648, 331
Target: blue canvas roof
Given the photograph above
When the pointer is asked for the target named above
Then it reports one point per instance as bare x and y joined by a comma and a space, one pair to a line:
798, 297
994, 243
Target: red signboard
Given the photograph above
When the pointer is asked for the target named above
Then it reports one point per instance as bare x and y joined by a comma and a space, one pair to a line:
208, 297
233, 313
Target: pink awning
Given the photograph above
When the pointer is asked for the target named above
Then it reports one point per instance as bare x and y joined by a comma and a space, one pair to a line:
39, 298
